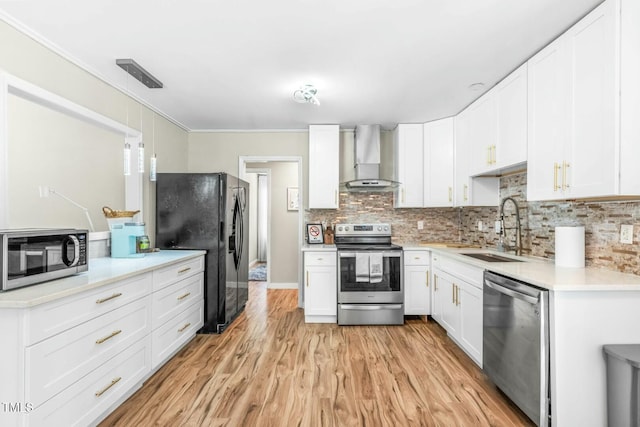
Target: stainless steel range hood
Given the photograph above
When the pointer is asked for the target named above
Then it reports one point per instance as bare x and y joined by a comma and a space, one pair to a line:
367, 161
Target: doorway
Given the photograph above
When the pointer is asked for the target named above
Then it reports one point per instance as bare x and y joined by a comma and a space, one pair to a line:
284, 216
259, 181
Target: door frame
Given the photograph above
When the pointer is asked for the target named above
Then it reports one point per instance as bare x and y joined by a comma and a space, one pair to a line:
242, 171
267, 173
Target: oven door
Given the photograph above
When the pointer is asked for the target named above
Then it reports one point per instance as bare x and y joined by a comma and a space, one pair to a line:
388, 290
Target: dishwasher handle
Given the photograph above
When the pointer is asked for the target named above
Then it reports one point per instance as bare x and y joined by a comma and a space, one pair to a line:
512, 293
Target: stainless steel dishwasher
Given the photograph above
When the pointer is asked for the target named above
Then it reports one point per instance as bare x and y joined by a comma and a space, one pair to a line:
516, 343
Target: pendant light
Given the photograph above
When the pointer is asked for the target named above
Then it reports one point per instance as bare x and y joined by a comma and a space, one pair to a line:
126, 155
153, 161
140, 148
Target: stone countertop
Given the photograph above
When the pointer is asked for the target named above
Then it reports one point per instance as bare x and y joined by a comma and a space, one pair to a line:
102, 271
318, 248
544, 273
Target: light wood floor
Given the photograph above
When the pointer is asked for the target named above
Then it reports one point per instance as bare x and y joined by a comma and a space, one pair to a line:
269, 368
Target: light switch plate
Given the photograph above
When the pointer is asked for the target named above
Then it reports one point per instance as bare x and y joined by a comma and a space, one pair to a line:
626, 233
420, 225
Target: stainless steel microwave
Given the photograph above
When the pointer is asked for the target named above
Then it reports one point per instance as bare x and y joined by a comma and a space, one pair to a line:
30, 256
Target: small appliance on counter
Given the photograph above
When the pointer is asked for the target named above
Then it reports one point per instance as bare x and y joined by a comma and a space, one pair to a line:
128, 240
36, 255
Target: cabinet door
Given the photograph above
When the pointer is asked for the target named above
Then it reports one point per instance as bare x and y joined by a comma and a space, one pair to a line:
320, 292
511, 116
462, 156
448, 310
324, 169
482, 133
470, 336
408, 147
591, 166
547, 116
438, 174
417, 292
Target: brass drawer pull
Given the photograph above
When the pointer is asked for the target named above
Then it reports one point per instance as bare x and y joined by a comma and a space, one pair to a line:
307, 278
184, 270
184, 327
101, 300
113, 334
181, 297
427, 279
113, 382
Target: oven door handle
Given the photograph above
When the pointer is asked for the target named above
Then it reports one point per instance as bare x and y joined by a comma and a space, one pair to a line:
510, 292
385, 254
370, 307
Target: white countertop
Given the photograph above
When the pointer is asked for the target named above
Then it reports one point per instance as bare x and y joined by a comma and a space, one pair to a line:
318, 247
102, 271
544, 273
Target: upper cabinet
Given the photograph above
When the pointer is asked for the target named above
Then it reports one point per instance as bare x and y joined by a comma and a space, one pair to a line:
497, 124
584, 103
438, 163
408, 165
324, 166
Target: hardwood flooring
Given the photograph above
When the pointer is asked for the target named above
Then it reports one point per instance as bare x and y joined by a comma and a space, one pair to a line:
269, 368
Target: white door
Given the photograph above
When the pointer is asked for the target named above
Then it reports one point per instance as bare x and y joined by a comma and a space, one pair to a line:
438, 137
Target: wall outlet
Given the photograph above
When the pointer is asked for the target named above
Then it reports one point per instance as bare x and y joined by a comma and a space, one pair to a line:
480, 226
420, 225
626, 233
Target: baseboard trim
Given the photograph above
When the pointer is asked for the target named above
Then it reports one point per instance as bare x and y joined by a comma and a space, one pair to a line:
272, 285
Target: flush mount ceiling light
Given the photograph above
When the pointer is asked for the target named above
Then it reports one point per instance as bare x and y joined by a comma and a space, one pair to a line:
133, 68
306, 95
476, 87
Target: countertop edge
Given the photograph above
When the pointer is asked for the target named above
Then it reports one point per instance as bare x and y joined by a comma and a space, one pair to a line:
125, 268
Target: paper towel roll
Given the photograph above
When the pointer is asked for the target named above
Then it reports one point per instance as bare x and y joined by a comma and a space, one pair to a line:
570, 246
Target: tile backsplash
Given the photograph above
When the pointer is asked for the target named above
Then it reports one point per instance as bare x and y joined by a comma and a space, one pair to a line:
601, 220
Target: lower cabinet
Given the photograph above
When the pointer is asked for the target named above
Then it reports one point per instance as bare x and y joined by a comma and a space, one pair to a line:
320, 287
417, 286
458, 303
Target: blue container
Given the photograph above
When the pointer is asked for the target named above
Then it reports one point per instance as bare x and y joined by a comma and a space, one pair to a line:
123, 239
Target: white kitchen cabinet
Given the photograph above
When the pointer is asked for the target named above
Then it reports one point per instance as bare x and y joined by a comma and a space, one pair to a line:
438, 163
417, 282
482, 132
408, 165
583, 109
470, 191
324, 166
320, 287
459, 296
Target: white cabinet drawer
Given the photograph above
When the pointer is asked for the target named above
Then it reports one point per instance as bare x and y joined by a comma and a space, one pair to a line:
176, 332
52, 318
56, 363
173, 299
87, 399
166, 276
320, 258
461, 270
417, 258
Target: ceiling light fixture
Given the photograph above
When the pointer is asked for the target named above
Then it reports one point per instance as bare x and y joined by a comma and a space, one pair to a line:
142, 75
476, 87
306, 95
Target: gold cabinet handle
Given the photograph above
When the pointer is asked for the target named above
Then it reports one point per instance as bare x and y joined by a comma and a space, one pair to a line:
489, 155
565, 184
184, 270
493, 154
402, 192
427, 279
307, 278
453, 294
101, 300
113, 382
450, 194
181, 297
184, 327
556, 166
336, 192
435, 282
108, 337
465, 192
457, 295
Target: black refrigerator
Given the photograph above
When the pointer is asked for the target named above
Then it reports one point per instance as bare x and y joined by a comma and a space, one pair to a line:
209, 211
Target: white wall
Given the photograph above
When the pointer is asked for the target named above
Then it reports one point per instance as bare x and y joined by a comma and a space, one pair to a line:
25, 58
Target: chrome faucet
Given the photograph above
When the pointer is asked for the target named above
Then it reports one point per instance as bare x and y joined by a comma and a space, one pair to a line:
502, 246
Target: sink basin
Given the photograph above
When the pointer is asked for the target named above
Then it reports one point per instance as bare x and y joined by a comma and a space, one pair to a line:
489, 257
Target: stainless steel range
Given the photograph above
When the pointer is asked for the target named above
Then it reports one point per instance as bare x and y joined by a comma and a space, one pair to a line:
370, 280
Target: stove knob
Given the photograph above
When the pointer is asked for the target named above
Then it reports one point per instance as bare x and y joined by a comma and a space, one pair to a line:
380, 228
386, 228
340, 228
346, 228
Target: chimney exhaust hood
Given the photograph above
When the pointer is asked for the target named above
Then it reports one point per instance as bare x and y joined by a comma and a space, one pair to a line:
367, 161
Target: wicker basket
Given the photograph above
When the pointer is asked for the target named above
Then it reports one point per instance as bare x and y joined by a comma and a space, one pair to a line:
117, 217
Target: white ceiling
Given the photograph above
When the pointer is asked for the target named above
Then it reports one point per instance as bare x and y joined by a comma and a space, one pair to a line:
235, 64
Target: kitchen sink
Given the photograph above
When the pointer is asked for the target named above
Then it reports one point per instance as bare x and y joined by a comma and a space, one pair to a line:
489, 257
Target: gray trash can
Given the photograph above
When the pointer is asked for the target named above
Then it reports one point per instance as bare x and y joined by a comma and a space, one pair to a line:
623, 387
